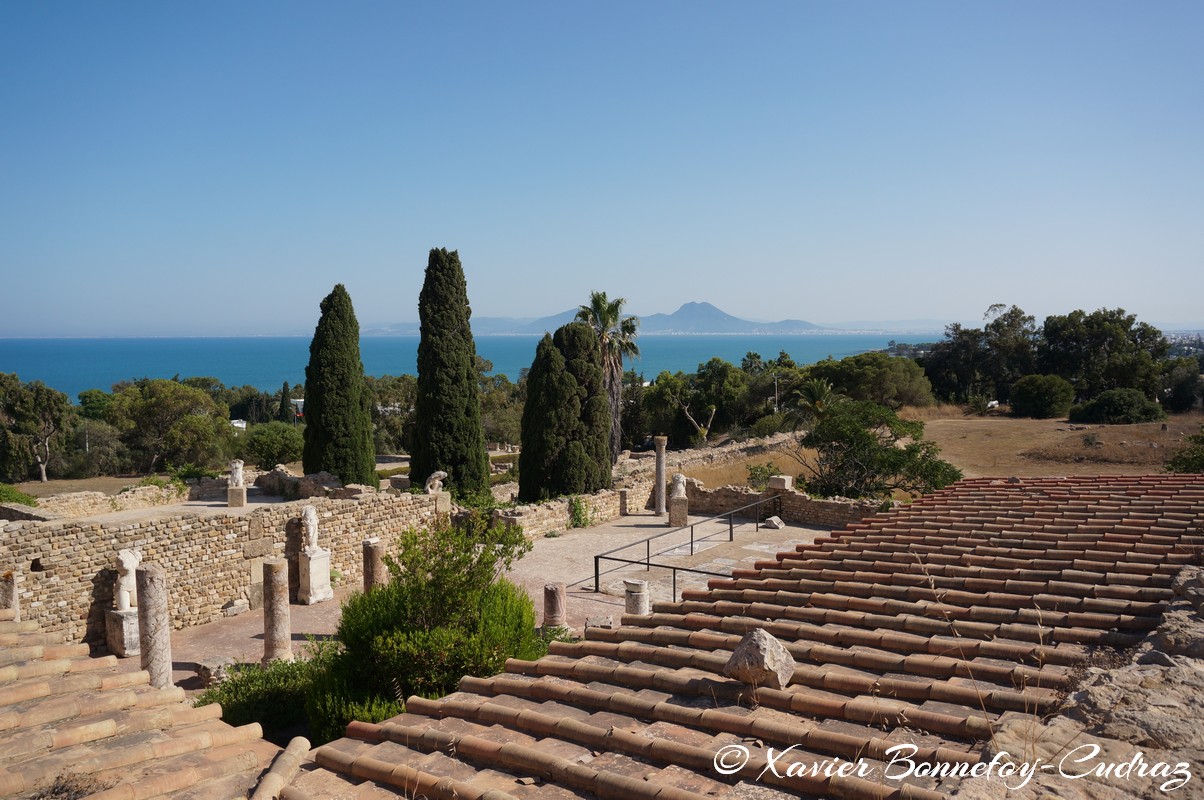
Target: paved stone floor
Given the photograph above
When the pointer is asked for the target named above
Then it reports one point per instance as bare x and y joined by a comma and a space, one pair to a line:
567, 558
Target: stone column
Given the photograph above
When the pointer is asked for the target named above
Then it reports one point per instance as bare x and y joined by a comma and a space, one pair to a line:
154, 625
637, 598
375, 572
660, 442
277, 623
553, 605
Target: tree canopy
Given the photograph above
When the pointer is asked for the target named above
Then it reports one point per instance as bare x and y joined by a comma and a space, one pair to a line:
338, 423
448, 435
865, 450
566, 419
167, 421
616, 337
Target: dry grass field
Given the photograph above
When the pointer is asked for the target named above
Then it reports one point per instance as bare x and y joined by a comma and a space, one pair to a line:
1004, 446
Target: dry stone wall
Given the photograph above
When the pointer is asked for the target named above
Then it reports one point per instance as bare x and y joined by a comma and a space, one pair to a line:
539, 519
67, 567
75, 505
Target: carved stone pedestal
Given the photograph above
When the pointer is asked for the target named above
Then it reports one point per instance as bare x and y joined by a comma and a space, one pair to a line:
121, 632
236, 496
442, 502
314, 569
679, 512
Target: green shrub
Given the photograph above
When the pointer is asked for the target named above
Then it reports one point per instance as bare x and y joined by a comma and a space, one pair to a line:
273, 443
768, 425
1191, 458
9, 494
978, 405
443, 615
759, 475
187, 472
1041, 396
337, 694
273, 696
579, 516
159, 483
1118, 407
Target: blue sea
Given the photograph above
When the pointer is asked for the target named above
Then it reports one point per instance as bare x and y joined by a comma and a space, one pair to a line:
73, 365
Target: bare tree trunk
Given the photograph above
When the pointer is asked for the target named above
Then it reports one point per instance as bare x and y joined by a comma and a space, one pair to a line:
614, 391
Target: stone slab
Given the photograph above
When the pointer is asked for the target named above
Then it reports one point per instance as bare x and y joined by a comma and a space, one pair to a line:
121, 632
236, 496
314, 569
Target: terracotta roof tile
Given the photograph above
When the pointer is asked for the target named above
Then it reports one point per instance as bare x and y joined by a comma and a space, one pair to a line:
922, 625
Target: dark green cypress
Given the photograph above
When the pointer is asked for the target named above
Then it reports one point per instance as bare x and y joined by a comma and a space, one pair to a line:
566, 418
338, 420
285, 411
582, 352
447, 411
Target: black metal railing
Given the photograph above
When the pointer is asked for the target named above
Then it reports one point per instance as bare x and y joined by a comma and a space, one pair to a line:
730, 516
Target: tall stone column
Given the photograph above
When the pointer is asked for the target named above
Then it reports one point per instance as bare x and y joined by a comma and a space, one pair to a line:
375, 572
277, 621
660, 442
553, 605
154, 624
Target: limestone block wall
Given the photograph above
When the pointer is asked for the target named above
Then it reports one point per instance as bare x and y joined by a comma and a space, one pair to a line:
796, 506
12, 512
87, 504
212, 559
538, 519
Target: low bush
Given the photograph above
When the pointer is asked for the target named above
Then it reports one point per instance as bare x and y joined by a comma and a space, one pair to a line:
188, 472
273, 696
1041, 396
759, 475
445, 613
10, 494
579, 516
1118, 407
768, 425
1191, 458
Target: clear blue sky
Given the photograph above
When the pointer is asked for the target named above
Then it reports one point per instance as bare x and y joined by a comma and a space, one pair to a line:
215, 168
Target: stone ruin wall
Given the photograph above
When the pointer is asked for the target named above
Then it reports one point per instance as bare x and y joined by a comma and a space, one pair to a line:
64, 569
77, 505
538, 519
635, 492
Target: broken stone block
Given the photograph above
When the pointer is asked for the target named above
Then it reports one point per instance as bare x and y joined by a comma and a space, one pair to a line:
213, 671
121, 632
783, 483
236, 607
775, 523
761, 660
600, 622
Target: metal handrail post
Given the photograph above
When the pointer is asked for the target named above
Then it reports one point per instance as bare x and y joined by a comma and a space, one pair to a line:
647, 555
691, 540
597, 574
731, 527
675, 586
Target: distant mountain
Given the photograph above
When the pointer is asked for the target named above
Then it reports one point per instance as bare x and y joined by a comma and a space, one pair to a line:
691, 318
706, 318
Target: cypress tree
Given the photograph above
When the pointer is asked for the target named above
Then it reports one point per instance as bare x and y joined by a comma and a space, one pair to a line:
285, 411
582, 353
338, 421
447, 411
566, 418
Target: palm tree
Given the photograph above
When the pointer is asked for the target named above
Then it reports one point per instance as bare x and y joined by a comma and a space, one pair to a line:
814, 399
617, 336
